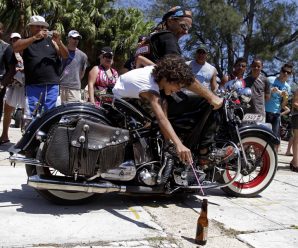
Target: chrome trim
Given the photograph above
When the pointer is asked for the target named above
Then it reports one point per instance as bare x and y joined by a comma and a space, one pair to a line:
51, 184
21, 159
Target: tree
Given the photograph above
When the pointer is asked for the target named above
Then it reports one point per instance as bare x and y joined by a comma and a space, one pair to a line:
246, 28
98, 22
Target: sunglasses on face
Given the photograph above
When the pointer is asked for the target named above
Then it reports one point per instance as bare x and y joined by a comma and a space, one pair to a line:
75, 38
184, 26
107, 56
201, 52
286, 72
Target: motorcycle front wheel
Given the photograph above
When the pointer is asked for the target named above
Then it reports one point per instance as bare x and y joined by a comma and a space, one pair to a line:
263, 162
58, 196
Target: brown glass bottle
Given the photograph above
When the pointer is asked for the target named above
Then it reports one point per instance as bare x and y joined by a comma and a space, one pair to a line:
202, 225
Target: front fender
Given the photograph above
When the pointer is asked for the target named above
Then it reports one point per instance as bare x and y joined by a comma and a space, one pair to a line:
261, 129
53, 116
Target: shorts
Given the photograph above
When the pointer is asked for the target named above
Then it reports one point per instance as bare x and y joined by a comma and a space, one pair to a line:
49, 95
274, 119
295, 121
15, 96
70, 95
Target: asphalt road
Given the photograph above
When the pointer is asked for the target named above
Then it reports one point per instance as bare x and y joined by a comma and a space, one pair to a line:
27, 220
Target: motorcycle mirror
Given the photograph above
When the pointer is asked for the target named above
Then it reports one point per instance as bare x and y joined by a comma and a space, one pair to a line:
245, 94
233, 85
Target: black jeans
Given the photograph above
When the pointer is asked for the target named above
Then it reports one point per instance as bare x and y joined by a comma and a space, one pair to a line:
2, 94
190, 103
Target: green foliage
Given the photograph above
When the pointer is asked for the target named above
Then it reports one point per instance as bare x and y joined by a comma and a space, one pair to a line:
99, 24
234, 28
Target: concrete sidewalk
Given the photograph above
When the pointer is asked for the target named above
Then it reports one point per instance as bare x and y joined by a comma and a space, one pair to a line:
269, 220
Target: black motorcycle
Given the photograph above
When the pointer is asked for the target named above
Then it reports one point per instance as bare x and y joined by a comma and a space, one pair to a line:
77, 151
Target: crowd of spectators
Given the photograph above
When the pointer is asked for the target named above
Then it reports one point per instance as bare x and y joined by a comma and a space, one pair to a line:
40, 68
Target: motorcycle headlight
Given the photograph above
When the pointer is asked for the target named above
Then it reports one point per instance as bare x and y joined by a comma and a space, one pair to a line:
245, 94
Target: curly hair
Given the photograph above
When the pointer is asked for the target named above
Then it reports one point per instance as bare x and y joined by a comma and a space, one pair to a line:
174, 70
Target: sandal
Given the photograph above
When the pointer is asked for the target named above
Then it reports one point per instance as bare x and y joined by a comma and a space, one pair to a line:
2, 142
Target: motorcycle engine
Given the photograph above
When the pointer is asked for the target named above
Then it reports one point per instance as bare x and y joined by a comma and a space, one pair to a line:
148, 174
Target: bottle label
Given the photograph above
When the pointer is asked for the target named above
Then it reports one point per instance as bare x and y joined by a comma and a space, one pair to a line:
205, 233
202, 233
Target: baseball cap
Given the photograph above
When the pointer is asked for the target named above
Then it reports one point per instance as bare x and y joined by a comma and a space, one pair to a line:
106, 50
74, 34
37, 21
202, 47
15, 35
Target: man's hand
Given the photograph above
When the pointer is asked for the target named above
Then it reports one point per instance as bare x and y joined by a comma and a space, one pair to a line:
56, 36
216, 102
40, 35
184, 154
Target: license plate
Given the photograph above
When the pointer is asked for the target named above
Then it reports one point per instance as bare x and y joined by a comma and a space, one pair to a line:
253, 117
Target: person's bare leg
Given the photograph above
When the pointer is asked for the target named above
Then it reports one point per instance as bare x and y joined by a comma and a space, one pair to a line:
6, 121
290, 144
295, 149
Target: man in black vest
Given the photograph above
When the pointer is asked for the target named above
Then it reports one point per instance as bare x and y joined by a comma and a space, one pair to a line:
42, 62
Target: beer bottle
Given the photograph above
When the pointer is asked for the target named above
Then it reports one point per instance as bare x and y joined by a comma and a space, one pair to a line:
202, 225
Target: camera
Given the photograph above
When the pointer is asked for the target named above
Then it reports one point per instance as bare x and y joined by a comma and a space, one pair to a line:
50, 33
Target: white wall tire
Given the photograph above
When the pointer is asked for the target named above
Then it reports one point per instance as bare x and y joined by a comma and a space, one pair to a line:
261, 177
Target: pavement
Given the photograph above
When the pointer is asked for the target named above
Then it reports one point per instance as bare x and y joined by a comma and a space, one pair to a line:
27, 220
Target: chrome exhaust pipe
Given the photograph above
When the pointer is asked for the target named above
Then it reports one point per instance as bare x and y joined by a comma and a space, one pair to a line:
55, 184
17, 159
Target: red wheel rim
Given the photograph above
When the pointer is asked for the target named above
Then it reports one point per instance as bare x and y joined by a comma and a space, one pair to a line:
263, 170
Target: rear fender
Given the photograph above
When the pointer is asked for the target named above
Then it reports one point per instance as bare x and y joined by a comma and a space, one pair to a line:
52, 116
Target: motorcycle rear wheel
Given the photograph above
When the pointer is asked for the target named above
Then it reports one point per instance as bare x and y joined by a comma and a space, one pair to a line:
264, 161
58, 196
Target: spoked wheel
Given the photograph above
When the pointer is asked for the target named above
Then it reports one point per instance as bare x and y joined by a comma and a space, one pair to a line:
58, 196
263, 164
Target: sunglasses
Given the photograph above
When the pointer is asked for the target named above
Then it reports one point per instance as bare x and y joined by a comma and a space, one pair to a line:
75, 38
107, 55
286, 72
200, 51
184, 26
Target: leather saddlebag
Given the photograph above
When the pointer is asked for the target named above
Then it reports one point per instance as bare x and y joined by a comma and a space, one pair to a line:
87, 148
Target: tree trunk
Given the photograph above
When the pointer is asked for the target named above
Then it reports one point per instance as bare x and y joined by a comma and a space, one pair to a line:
250, 22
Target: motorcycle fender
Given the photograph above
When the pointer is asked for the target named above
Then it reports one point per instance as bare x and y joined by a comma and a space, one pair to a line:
54, 115
261, 129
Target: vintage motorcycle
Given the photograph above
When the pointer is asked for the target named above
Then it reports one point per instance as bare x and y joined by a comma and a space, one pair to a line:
77, 151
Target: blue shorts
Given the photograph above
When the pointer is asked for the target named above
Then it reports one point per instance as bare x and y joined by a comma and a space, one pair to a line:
50, 93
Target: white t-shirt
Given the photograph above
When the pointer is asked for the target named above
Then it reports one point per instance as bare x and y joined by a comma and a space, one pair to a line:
134, 82
203, 73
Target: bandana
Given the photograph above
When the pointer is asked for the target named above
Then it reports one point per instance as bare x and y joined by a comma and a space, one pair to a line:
178, 12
